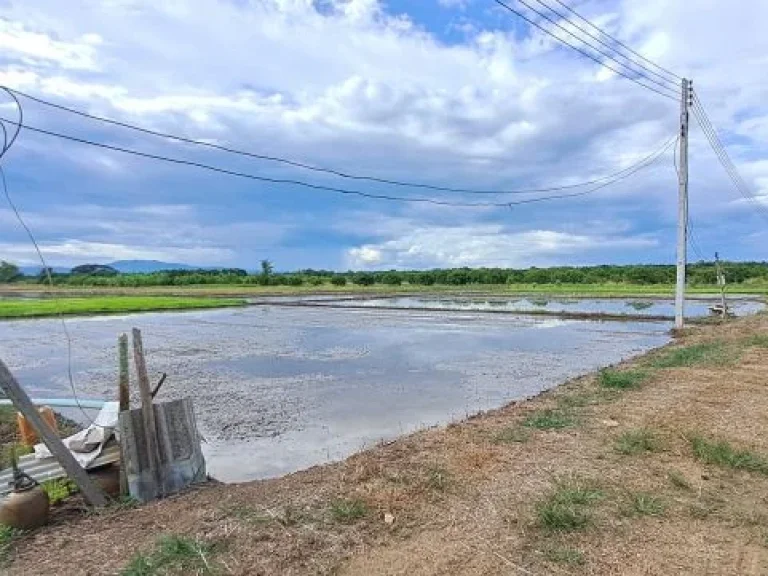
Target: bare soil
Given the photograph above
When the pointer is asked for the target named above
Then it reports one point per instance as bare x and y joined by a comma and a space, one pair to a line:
466, 499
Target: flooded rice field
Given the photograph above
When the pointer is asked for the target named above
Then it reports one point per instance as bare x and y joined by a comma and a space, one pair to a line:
598, 306
278, 389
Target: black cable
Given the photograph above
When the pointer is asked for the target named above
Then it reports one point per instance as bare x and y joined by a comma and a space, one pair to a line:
345, 191
609, 55
722, 154
618, 42
7, 145
302, 165
581, 51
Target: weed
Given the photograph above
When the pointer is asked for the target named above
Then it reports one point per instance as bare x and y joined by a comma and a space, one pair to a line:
348, 511
248, 515
549, 420
7, 536
621, 380
59, 489
540, 302
678, 480
438, 479
512, 435
173, 555
708, 353
633, 442
721, 453
564, 555
566, 508
635, 305
759, 340
644, 504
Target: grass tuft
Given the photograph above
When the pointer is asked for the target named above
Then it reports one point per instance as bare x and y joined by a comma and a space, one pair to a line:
566, 508
758, 340
173, 555
511, 435
438, 479
348, 511
677, 479
634, 442
645, 504
705, 354
59, 489
564, 555
721, 453
7, 536
621, 380
549, 420
635, 305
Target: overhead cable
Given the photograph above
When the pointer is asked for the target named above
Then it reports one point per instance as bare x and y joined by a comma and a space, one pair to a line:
302, 165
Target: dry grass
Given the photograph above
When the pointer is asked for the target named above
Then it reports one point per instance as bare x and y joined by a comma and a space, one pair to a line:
520, 490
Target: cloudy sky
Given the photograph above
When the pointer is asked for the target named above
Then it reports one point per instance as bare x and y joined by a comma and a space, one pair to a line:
453, 93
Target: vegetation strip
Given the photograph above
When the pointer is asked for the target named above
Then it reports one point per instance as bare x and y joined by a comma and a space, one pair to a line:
37, 308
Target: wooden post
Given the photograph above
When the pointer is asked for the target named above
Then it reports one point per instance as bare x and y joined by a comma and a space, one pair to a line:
23, 404
147, 412
124, 378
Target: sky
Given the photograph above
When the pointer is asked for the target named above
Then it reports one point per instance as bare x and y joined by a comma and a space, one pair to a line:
452, 93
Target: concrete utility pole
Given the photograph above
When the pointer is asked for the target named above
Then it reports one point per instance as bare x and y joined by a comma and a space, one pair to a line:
721, 284
682, 206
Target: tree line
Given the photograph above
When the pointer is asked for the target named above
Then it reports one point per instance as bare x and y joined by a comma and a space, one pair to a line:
701, 273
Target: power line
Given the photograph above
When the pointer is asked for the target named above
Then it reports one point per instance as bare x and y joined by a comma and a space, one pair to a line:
722, 155
664, 83
6, 147
580, 50
302, 165
178, 161
674, 76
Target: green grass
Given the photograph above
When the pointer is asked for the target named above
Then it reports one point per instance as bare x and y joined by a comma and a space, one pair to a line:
644, 504
705, 354
550, 419
174, 555
107, 305
564, 555
59, 489
721, 453
348, 511
7, 536
621, 379
634, 442
758, 340
438, 479
567, 507
512, 435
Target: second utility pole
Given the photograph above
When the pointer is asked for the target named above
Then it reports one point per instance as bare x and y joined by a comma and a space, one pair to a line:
682, 207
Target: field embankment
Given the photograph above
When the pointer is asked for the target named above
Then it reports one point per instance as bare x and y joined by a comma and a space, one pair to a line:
41, 307
657, 466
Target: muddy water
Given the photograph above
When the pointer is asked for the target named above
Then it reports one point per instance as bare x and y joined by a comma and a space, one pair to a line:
278, 389
613, 306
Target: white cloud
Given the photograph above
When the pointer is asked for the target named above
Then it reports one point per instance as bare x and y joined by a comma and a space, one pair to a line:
484, 245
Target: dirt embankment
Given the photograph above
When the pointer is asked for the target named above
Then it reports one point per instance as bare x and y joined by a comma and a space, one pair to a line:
657, 467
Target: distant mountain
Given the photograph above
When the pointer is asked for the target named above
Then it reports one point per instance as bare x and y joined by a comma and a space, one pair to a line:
144, 266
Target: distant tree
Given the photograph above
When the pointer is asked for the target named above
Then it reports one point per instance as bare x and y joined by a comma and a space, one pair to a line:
339, 280
266, 271
364, 279
8, 272
392, 278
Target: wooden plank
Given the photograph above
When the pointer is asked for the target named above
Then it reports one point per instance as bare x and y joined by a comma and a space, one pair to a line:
23, 404
123, 395
181, 459
147, 413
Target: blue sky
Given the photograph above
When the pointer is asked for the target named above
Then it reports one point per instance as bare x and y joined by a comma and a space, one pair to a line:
450, 92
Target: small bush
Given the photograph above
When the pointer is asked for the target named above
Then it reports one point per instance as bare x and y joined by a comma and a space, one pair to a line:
721, 453
438, 479
566, 508
348, 511
621, 380
59, 489
633, 442
549, 420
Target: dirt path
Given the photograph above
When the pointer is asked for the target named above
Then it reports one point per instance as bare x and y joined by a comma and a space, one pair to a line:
655, 468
